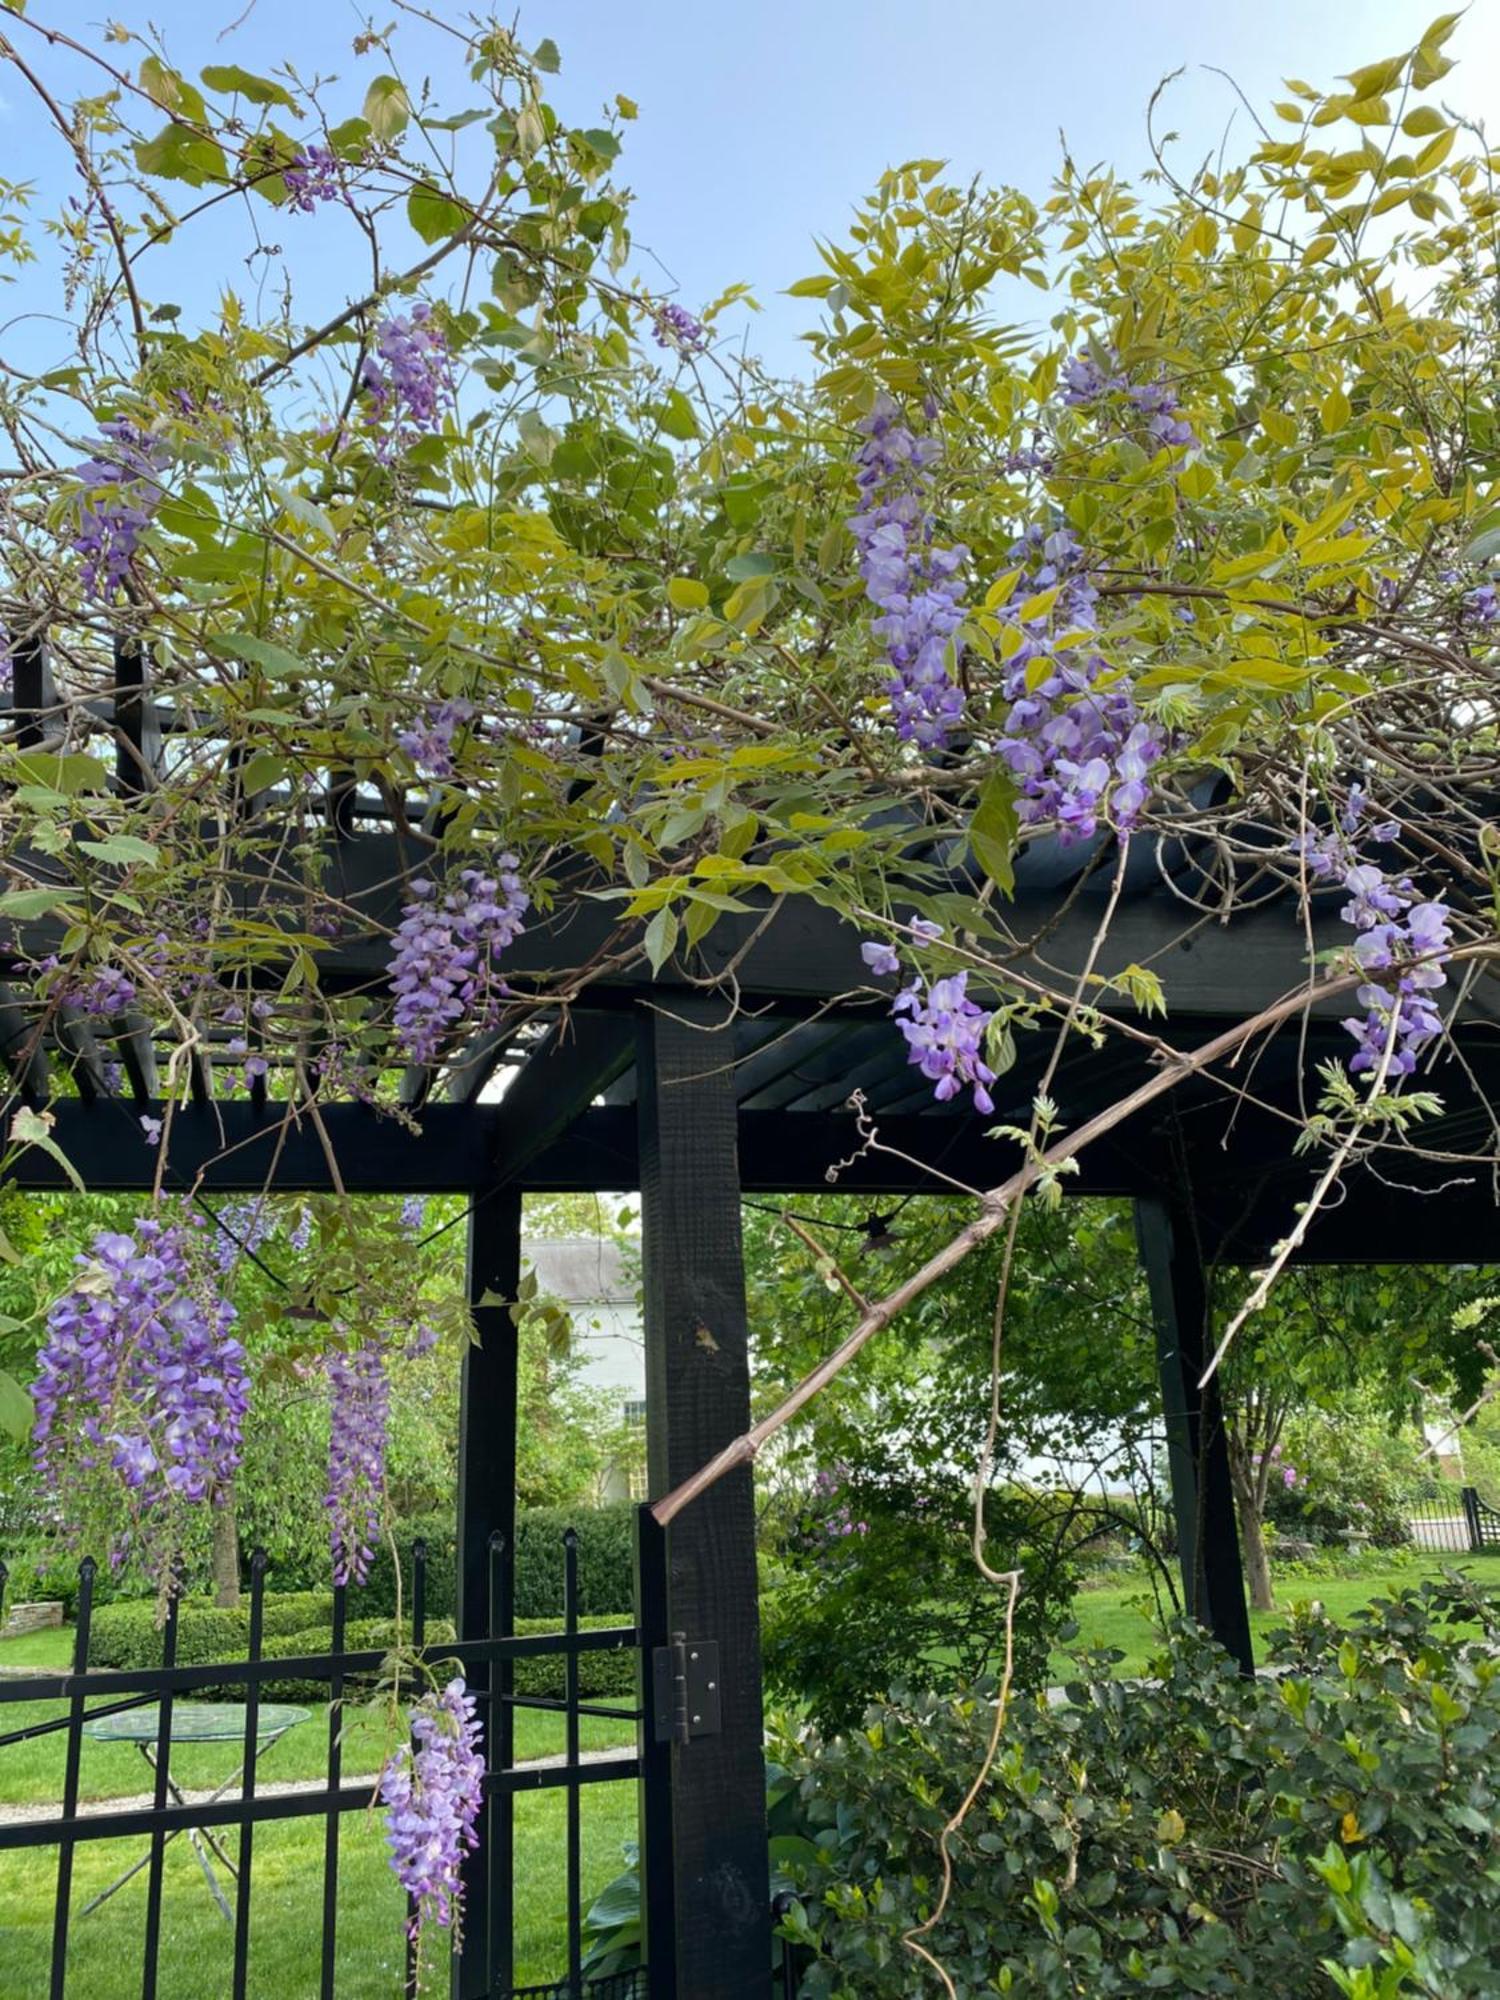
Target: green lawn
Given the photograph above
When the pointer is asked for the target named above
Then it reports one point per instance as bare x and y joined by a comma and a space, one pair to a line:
1120, 1615
105, 1948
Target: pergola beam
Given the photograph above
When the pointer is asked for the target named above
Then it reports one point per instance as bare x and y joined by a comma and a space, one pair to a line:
581, 1056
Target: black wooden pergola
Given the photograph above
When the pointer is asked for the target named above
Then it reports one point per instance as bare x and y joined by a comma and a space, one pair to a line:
733, 1072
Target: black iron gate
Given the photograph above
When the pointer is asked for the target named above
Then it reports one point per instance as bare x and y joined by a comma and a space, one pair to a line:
222, 1829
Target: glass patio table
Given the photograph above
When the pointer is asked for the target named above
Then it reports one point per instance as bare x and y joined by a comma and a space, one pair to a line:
192, 1722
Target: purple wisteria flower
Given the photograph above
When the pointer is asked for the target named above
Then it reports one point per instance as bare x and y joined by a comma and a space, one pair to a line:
1087, 380
140, 1380
912, 580
945, 1037
430, 743
1074, 740
1398, 935
443, 964
880, 958
120, 492
245, 1226
312, 177
1482, 605
432, 1791
413, 1214
408, 379
359, 1410
97, 991
677, 328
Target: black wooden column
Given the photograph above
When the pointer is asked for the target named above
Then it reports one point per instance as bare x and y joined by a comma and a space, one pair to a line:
487, 1507
1208, 1546
697, 1400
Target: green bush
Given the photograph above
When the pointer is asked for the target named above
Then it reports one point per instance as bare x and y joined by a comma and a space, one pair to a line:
877, 1580
376, 1598
361, 1635
606, 1560
1331, 1830
606, 1564
127, 1636
602, 1676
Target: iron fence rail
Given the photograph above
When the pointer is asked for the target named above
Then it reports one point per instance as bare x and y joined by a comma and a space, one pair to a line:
488, 1666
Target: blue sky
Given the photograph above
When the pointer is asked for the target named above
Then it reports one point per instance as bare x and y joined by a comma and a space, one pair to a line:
762, 122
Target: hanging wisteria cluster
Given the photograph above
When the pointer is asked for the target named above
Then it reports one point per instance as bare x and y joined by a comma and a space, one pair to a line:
98, 992
677, 328
432, 1791
1398, 933
911, 579
121, 492
1089, 380
446, 950
408, 380
429, 744
312, 177
140, 1376
1074, 739
944, 1029
359, 1402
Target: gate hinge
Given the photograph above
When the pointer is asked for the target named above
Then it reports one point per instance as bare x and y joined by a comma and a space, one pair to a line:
685, 1689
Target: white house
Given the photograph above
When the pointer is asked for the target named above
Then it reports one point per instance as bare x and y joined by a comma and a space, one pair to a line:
596, 1280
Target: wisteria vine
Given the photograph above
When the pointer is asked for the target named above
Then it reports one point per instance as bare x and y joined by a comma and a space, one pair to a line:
432, 1790
141, 1378
1397, 932
446, 952
359, 1403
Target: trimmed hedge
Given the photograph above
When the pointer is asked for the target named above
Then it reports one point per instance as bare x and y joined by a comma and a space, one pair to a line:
361, 1635
606, 1563
126, 1636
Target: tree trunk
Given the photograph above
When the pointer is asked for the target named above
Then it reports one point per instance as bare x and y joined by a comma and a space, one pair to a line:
226, 1556
1257, 1556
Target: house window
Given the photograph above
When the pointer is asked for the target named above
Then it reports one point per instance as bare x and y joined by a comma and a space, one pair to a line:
639, 1484
634, 1413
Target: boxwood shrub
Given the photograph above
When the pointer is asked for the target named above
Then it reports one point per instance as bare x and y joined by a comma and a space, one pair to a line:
297, 1623
606, 1564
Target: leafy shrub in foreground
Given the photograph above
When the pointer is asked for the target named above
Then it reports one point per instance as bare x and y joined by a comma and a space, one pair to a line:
1332, 1830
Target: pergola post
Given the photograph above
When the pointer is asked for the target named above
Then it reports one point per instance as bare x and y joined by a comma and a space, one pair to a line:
487, 1507
697, 1400
1208, 1547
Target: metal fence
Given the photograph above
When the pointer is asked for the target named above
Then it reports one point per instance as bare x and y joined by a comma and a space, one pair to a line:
1458, 1525
214, 1826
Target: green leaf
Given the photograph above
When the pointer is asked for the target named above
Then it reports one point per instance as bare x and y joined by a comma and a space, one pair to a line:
740, 569
271, 659
34, 1128
387, 108
994, 830
16, 1413
232, 81
545, 55
685, 593
122, 847
181, 153
1484, 545
677, 416
434, 215
661, 937
302, 509
28, 904
262, 771
67, 774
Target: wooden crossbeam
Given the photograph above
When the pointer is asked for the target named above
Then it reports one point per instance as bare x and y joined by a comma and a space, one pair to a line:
580, 1057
